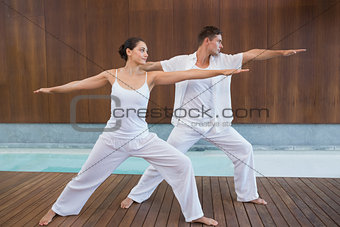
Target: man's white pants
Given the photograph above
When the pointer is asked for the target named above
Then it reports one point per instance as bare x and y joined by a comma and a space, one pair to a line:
238, 149
174, 166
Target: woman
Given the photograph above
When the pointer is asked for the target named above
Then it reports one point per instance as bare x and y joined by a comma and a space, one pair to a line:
132, 87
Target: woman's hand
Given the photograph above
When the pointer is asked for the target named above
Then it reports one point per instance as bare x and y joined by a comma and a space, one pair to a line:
43, 90
234, 71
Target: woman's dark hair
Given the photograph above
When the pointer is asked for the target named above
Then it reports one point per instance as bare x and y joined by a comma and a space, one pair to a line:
208, 31
130, 43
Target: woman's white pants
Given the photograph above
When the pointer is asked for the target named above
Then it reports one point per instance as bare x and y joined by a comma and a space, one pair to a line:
107, 154
238, 149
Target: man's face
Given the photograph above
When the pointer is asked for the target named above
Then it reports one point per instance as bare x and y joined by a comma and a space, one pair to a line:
215, 45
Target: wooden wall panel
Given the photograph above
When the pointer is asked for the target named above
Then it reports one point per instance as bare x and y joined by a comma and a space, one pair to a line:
299, 88
25, 61
106, 31
244, 28
66, 20
4, 88
152, 20
189, 19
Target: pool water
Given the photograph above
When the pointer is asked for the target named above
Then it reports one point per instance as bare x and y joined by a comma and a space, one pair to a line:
206, 163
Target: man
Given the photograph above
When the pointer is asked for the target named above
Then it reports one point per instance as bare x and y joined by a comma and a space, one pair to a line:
202, 109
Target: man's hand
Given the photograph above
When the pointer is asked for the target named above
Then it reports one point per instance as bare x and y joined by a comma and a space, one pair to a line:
263, 54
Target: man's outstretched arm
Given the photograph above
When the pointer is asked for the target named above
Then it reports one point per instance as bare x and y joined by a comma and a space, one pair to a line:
263, 54
152, 66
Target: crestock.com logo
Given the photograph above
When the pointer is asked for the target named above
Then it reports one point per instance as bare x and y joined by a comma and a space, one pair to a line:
73, 113
202, 114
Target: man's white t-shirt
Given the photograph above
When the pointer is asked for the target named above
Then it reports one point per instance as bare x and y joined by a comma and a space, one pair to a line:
220, 88
198, 100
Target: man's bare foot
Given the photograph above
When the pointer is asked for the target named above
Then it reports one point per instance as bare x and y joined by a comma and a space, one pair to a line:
259, 201
47, 217
126, 203
206, 221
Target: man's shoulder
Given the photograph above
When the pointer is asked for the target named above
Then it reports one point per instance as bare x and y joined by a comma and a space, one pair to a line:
224, 57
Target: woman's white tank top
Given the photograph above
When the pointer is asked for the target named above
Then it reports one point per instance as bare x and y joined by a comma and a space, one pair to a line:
128, 109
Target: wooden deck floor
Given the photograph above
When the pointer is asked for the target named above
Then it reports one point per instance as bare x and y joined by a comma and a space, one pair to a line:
25, 197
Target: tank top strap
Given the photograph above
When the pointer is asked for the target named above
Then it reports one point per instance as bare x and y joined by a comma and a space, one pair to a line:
146, 77
116, 74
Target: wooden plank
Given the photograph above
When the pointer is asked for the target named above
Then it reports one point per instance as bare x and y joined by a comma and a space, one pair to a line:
11, 176
207, 198
5, 175
300, 203
329, 189
37, 204
290, 203
308, 195
300, 190
15, 206
336, 184
337, 180
109, 207
175, 213
29, 185
287, 215
239, 208
266, 218
154, 209
112, 191
199, 183
229, 211
15, 181
324, 206
271, 206
329, 200
164, 211
217, 201
143, 210
119, 214
263, 213
91, 204
253, 216
40, 207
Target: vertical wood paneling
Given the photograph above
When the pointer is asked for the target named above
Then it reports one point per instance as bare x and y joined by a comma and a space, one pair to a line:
153, 21
189, 19
300, 88
106, 31
25, 62
67, 21
4, 89
297, 89
243, 24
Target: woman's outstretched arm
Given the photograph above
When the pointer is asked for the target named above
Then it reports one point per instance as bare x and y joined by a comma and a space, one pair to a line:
163, 78
93, 82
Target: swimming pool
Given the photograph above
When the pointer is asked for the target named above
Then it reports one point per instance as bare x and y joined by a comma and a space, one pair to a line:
275, 163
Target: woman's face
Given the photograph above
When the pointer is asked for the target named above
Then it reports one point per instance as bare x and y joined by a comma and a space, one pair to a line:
139, 54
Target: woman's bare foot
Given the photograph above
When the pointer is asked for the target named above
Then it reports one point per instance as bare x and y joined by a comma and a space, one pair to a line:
259, 201
47, 217
206, 221
126, 203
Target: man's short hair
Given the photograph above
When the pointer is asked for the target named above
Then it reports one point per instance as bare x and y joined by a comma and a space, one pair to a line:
208, 31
